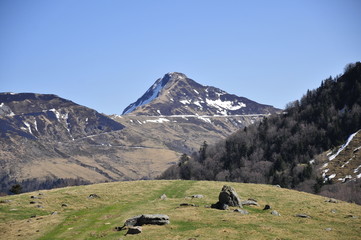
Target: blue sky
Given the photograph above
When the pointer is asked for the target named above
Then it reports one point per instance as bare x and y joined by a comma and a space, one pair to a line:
106, 54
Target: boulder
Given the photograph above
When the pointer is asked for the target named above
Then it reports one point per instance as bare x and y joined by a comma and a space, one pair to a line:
197, 196
93, 195
250, 202
331, 200
134, 230
229, 196
241, 211
220, 206
187, 205
153, 219
275, 213
267, 207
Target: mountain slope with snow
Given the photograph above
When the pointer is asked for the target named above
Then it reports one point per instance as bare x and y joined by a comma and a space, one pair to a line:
176, 94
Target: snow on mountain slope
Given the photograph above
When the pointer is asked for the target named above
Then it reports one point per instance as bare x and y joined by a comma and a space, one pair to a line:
176, 94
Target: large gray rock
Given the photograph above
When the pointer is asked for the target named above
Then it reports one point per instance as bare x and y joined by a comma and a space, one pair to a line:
153, 219
229, 196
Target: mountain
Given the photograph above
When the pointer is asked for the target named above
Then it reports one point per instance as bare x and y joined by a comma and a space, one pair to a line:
47, 141
281, 148
176, 94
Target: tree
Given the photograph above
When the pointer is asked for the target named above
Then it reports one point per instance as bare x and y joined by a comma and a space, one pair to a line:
16, 189
202, 152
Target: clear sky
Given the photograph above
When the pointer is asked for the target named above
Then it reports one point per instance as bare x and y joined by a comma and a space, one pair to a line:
106, 54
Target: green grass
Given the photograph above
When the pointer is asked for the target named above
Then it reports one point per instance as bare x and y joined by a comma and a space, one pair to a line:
86, 218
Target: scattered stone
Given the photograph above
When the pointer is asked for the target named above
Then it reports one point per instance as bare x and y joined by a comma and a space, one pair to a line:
351, 216
34, 197
33, 216
187, 205
277, 186
5, 201
241, 211
302, 215
334, 211
39, 206
134, 230
41, 193
197, 196
220, 206
153, 219
163, 197
32, 202
328, 229
64, 205
331, 200
266, 207
275, 213
250, 202
54, 213
93, 195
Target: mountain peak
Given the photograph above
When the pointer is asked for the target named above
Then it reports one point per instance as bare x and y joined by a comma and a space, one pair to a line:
176, 94
155, 89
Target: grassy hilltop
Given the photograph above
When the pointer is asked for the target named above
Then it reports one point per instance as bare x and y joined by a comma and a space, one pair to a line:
96, 218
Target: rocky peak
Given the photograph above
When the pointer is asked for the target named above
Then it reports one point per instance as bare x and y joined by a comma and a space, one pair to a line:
176, 94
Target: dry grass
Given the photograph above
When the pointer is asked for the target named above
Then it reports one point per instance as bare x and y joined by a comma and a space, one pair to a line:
96, 218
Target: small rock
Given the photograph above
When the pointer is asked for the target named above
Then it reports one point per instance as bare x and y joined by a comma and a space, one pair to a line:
331, 200
187, 205
250, 202
334, 211
93, 195
220, 206
64, 205
163, 197
266, 207
54, 213
154, 219
328, 229
33, 197
197, 196
134, 230
241, 211
351, 216
302, 215
5, 201
274, 212
277, 186
32, 202
33, 216
41, 193
39, 206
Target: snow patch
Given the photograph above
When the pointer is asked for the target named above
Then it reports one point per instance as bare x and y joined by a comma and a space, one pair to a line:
222, 106
205, 119
29, 128
357, 169
342, 147
195, 91
185, 101
312, 161
159, 120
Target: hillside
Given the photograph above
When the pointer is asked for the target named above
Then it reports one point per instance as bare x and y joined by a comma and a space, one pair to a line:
280, 149
69, 213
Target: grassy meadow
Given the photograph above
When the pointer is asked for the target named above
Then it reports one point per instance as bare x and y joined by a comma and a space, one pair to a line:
96, 218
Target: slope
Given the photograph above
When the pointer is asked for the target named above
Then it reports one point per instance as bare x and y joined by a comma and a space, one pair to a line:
70, 213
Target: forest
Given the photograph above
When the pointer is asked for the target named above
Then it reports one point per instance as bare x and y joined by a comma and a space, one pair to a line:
278, 149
